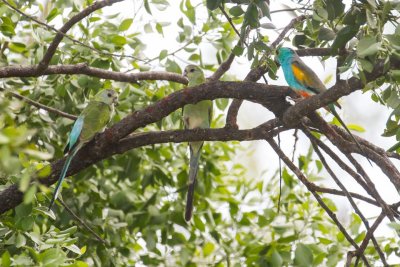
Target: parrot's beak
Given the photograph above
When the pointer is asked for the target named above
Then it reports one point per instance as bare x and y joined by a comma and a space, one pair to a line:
115, 100
185, 73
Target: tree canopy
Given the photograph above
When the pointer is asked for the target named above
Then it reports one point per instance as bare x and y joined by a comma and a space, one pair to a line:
124, 199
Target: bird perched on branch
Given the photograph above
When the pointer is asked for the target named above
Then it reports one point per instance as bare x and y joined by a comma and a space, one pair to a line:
195, 116
92, 120
306, 83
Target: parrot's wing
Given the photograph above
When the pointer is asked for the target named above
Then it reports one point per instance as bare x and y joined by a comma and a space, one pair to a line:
307, 77
74, 134
96, 116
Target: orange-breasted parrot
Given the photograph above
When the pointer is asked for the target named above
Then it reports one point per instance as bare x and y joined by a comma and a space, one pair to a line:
306, 83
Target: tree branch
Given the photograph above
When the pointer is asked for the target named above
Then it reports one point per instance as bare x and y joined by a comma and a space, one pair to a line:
40, 106
67, 36
44, 63
82, 68
305, 181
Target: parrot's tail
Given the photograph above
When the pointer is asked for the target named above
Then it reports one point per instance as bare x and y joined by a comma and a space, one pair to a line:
62, 176
333, 111
195, 152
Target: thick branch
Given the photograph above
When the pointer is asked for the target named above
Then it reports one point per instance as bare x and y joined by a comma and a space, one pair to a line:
106, 144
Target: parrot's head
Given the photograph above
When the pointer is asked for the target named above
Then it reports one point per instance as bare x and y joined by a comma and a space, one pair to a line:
107, 96
193, 72
284, 54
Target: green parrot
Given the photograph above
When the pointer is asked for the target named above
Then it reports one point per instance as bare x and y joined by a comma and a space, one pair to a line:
195, 116
92, 120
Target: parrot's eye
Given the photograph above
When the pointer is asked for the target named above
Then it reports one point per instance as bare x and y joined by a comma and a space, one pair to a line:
109, 95
191, 70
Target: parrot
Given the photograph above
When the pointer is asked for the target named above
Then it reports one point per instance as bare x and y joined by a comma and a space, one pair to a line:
197, 115
92, 120
306, 83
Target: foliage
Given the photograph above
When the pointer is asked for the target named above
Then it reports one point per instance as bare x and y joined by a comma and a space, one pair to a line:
135, 201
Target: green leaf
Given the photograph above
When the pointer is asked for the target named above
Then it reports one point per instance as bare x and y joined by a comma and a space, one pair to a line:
213, 4
303, 255
394, 147
251, 16
118, 40
238, 50
125, 24
52, 257
264, 7
159, 28
172, 66
17, 47
30, 194
163, 54
6, 259
368, 46
236, 11
53, 13
335, 8
276, 259
20, 240
147, 6
326, 34
343, 36
208, 248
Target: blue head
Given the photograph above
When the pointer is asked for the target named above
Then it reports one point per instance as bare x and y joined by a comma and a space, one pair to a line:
285, 54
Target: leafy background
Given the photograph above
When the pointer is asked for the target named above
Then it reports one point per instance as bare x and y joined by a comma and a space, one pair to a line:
135, 201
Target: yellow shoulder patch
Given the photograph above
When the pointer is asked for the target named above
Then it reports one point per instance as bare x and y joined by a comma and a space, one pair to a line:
299, 74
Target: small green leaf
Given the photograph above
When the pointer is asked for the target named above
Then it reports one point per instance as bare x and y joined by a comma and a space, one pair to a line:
147, 6
118, 40
159, 28
208, 249
368, 46
6, 259
163, 54
238, 51
125, 24
213, 4
30, 194
303, 255
53, 13
236, 11
394, 147
344, 35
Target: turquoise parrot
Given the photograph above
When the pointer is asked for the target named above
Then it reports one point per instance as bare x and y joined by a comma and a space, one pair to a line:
195, 116
92, 120
306, 83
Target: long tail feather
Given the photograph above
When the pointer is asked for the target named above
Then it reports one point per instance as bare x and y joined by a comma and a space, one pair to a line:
62, 176
333, 111
194, 166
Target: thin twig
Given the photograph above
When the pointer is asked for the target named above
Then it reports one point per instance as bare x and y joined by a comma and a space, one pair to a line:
348, 195
76, 217
296, 139
40, 106
305, 181
368, 236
